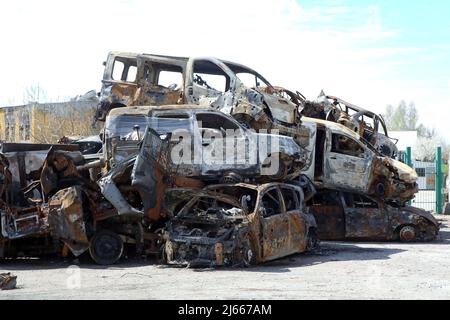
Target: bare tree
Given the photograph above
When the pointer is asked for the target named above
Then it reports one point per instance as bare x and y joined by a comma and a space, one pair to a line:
56, 121
34, 93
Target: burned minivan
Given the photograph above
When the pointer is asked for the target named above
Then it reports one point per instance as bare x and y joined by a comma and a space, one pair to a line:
239, 225
132, 79
352, 216
342, 161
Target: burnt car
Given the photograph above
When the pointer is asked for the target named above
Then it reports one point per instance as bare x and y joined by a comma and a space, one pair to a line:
369, 125
352, 216
342, 161
205, 143
63, 212
239, 225
132, 79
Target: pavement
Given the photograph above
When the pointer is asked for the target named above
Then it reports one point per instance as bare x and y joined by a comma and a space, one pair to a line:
339, 270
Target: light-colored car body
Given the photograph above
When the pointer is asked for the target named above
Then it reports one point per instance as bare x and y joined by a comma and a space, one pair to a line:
339, 160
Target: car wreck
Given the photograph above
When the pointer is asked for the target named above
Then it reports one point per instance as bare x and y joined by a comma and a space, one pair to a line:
352, 216
342, 161
64, 212
144, 79
204, 143
370, 126
239, 225
206, 162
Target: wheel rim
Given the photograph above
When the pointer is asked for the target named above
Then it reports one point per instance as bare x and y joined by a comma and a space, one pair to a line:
380, 189
106, 248
407, 233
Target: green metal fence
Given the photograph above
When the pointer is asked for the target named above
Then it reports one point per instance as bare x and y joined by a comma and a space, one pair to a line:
431, 182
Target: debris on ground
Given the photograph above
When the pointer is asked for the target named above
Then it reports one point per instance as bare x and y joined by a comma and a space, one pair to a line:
7, 281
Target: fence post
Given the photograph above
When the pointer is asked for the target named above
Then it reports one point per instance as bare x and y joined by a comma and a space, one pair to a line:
408, 156
408, 161
439, 181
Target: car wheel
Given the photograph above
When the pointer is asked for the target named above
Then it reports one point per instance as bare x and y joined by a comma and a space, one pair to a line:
312, 241
407, 233
380, 188
106, 247
247, 254
282, 170
231, 178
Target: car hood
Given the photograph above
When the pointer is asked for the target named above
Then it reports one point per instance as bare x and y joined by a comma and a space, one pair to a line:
422, 213
405, 172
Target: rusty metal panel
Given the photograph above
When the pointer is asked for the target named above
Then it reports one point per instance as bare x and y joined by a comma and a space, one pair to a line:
66, 219
297, 232
367, 223
330, 221
275, 237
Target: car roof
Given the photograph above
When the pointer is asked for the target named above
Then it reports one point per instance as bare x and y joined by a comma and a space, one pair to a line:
145, 110
334, 126
235, 67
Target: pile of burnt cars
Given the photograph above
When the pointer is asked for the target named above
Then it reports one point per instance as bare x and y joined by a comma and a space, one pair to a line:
202, 162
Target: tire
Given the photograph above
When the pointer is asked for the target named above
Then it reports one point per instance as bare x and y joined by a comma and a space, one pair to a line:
282, 171
106, 247
380, 188
231, 178
313, 240
407, 234
246, 254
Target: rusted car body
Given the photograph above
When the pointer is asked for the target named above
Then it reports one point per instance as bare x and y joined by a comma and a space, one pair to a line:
216, 144
26, 159
28, 221
351, 216
239, 225
370, 126
64, 211
342, 161
143, 79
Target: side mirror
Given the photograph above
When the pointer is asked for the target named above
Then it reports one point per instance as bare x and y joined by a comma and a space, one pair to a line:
104, 63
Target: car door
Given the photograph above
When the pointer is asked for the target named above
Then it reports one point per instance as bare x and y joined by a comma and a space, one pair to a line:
347, 163
185, 148
327, 208
225, 145
275, 225
297, 237
365, 218
209, 81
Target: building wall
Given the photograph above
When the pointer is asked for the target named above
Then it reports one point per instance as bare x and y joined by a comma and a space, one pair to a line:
47, 123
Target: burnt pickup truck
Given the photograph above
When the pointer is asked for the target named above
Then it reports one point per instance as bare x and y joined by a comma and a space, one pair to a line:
214, 143
352, 216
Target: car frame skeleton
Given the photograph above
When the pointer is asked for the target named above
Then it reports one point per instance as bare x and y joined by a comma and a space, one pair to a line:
239, 225
370, 126
64, 212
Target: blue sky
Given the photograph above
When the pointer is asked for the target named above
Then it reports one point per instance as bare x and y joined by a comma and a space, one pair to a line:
371, 53
420, 25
